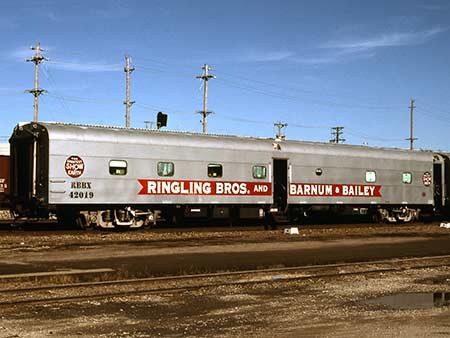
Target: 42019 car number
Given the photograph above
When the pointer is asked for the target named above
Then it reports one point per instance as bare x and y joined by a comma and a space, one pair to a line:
81, 194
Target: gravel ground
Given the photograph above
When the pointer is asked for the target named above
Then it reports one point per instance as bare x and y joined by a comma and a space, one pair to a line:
334, 307
342, 306
65, 239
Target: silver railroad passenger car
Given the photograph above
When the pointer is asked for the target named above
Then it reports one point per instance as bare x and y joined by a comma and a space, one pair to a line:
115, 177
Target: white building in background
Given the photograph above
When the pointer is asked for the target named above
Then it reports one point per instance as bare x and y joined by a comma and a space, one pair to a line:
4, 148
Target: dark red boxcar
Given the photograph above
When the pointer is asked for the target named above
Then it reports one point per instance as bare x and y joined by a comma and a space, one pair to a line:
4, 176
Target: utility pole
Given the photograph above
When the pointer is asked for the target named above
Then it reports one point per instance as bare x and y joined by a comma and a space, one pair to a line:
37, 59
411, 126
128, 70
205, 77
280, 126
336, 134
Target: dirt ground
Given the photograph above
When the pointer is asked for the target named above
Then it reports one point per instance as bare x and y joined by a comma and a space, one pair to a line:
342, 306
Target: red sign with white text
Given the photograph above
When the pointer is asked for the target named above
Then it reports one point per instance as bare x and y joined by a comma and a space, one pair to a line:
200, 188
334, 190
74, 166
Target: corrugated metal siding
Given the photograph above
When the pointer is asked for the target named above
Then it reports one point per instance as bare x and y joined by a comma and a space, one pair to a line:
58, 131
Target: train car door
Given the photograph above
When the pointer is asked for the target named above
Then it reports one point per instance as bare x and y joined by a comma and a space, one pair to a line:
29, 164
437, 179
446, 183
280, 184
439, 182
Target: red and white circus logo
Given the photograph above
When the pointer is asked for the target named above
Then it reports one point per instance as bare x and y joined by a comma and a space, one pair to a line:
74, 166
427, 179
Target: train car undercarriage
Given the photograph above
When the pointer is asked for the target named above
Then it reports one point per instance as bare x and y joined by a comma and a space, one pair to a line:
135, 217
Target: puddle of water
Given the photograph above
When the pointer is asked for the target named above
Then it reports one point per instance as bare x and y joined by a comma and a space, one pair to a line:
413, 301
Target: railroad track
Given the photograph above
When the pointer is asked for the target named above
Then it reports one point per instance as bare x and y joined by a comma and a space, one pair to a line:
75, 292
52, 228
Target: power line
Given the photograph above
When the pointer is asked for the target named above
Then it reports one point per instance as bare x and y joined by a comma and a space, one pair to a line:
50, 79
8, 91
266, 122
169, 67
369, 137
433, 114
86, 66
263, 91
152, 70
240, 119
169, 110
438, 109
271, 93
228, 117
162, 70
284, 87
327, 103
307, 127
258, 90
252, 88
83, 99
159, 108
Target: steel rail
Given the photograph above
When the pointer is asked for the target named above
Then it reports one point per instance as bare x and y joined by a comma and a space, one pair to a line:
277, 278
218, 274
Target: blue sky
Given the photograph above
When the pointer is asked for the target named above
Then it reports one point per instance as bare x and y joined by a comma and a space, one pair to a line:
311, 64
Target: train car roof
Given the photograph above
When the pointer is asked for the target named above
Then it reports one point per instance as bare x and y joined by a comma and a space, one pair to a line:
94, 133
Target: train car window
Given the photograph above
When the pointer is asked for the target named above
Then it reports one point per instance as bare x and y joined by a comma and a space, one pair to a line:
165, 168
371, 176
118, 167
259, 171
215, 170
407, 178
